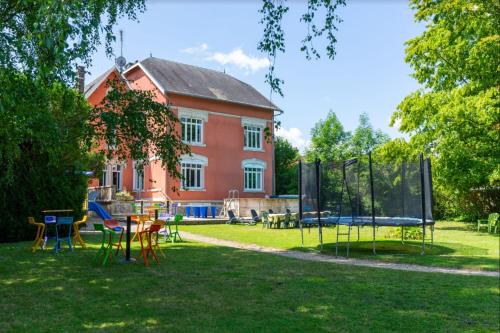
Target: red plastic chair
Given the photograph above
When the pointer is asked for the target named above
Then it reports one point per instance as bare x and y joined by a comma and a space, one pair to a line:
147, 236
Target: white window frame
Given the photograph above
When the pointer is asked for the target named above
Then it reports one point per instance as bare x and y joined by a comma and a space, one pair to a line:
193, 118
253, 167
197, 162
117, 168
137, 175
194, 127
253, 127
251, 134
104, 179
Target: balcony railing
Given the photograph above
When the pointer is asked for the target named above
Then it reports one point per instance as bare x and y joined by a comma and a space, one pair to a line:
102, 193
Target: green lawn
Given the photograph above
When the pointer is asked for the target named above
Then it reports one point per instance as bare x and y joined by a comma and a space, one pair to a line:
201, 288
456, 244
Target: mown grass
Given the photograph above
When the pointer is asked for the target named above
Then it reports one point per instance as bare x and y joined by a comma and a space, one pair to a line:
201, 288
456, 244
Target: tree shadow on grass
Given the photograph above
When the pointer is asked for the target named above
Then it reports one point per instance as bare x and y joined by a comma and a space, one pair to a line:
208, 288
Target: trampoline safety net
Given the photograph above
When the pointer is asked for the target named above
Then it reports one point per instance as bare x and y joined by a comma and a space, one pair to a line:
389, 193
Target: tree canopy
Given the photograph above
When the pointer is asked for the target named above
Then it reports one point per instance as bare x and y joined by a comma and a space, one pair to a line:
455, 117
286, 158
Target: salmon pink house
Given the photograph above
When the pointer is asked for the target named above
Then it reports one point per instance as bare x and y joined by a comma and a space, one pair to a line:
222, 119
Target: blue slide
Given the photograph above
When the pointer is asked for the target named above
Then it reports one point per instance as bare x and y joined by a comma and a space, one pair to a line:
95, 207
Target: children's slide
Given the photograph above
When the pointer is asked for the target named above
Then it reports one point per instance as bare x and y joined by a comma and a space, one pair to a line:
99, 210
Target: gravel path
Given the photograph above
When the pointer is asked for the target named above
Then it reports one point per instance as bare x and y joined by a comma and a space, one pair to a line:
314, 256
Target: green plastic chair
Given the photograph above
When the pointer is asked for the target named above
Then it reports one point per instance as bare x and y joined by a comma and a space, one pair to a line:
106, 250
490, 223
172, 235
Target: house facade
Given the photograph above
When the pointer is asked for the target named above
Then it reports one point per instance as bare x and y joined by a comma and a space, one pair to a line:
222, 119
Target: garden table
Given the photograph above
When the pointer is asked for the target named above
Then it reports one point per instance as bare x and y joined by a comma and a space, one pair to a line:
279, 218
48, 213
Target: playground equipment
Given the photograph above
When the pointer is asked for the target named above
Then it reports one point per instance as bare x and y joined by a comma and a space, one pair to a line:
361, 193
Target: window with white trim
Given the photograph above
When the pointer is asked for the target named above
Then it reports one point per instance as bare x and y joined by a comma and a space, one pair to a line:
192, 130
252, 137
253, 179
103, 181
138, 178
192, 176
116, 176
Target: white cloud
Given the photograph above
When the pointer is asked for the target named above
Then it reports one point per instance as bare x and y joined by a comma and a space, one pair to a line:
294, 136
238, 58
202, 48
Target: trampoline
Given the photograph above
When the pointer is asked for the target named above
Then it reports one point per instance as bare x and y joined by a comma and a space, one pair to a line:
362, 193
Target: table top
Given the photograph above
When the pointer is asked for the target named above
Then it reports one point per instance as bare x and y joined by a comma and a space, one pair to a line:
57, 211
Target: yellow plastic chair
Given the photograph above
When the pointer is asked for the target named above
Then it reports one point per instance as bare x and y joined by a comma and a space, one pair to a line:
40, 229
77, 237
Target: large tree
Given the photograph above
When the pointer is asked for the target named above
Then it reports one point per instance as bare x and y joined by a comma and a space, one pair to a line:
329, 140
47, 129
364, 138
455, 117
286, 158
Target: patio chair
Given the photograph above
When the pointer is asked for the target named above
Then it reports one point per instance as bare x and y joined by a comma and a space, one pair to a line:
235, 220
172, 235
265, 220
490, 223
63, 222
40, 229
255, 216
155, 236
147, 244
117, 228
77, 237
140, 220
106, 250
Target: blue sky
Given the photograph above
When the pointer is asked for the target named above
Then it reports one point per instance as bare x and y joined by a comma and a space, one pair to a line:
368, 74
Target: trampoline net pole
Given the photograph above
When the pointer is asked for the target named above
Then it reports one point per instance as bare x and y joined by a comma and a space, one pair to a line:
372, 197
422, 191
300, 203
318, 194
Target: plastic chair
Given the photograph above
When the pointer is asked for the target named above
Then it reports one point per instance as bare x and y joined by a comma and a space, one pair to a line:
40, 228
77, 237
265, 219
66, 221
141, 222
172, 235
115, 227
147, 243
490, 223
106, 249
196, 211
155, 236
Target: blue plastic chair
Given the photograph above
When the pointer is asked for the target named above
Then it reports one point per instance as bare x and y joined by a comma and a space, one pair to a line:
204, 212
188, 211
213, 209
196, 211
49, 220
63, 221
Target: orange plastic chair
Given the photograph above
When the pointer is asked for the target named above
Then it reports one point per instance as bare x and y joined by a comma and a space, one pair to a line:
141, 223
116, 227
148, 244
40, 229
77, 237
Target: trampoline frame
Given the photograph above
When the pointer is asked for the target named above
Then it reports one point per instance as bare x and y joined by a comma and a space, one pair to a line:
352, 221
